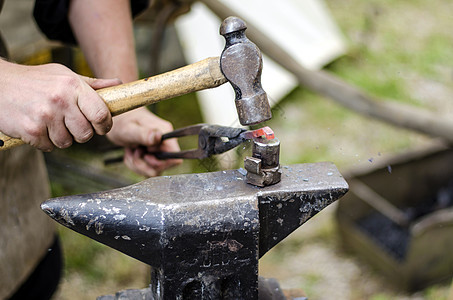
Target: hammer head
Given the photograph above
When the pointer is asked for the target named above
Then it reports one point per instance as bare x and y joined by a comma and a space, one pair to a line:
241, 64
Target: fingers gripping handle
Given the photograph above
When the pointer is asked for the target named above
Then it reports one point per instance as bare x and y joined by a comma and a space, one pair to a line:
125, 97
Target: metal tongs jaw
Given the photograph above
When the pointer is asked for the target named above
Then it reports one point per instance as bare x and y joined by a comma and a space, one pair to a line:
212, 139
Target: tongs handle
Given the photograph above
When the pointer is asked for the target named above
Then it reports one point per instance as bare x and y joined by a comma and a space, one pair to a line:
185, 131
181, 132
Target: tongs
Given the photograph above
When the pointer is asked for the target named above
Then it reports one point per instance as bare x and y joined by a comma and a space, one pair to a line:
212, 139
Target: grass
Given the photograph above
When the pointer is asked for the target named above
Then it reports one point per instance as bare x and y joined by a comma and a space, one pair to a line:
393, 47
385, 59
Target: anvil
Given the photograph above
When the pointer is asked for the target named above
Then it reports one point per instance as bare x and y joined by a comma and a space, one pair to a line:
202, 234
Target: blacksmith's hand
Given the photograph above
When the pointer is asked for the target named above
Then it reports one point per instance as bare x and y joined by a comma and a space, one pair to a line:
140, 131
50, 106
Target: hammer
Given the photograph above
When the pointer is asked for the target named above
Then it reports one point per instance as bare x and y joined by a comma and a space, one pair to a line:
240, 63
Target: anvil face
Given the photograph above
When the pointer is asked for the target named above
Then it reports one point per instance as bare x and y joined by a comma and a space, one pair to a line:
142, 214
208, 223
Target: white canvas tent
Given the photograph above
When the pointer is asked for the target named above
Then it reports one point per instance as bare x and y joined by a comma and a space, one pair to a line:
303, 28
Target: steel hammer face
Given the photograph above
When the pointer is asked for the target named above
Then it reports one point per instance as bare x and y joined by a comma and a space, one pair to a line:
241, 64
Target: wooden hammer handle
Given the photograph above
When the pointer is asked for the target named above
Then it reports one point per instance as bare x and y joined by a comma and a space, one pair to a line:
191, 78
125, 97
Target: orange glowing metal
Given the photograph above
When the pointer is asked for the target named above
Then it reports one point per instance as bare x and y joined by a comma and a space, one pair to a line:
265, 132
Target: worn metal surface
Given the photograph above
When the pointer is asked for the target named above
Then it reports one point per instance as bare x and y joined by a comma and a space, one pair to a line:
201, 233
241, 64
263, 168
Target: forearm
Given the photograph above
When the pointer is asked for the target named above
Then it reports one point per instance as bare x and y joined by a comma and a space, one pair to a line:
103, 29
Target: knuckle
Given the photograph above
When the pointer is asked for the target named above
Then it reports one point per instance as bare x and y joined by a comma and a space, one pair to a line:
45, 114
40, 144
70, 81
36, 136
58, 98
166, 125
34, 131
63, 90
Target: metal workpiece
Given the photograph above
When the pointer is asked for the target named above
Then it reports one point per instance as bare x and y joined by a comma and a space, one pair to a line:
202, 234
263, 167
241, 64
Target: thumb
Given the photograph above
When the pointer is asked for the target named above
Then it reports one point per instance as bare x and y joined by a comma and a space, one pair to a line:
96, 83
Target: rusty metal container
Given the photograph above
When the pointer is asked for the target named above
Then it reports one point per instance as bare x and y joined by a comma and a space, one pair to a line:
415, 250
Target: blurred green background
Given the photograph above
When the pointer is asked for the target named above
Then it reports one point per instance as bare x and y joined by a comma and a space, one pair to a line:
398, 51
